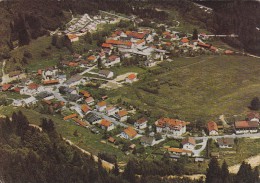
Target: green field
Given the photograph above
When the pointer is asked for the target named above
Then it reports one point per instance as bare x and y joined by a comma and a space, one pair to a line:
195, 88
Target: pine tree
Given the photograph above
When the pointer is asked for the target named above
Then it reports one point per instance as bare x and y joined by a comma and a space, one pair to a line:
225, 173
195, 34
255, 104
115, 170
213, 172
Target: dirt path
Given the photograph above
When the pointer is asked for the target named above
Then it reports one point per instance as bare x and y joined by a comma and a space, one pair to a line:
254, 161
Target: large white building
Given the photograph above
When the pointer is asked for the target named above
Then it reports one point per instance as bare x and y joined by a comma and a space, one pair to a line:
169, 126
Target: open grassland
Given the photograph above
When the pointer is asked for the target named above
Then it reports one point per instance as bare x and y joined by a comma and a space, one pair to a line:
38, 61
195, 88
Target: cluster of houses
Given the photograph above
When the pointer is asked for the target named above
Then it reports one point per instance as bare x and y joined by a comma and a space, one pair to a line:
80, 26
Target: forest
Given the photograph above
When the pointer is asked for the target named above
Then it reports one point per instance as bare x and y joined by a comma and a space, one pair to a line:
24, 20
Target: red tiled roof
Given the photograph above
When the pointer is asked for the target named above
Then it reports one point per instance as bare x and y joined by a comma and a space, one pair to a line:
135, 34
85, 93
39, 72
130, 132
178, 150
47, 82
102, 103
80, 122
89, 99
106, 45
5, 87
212, 126
122, 113
92, 58
184, 40
246, 124
105, 123
70, 116
171, 123
85, 108
203, 45
190, 140
117, 42
33, 86
131, 76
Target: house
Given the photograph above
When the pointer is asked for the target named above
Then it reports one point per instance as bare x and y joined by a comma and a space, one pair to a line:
92, 58
106, 73
85, 108
131, 78
50, 82
111, 110
49, 73
112, 60
188, 143
179, 152
107, 125
185, 41
212, 128
246, 127
92, 118
70, 116
129, 133
17, 103
111, 140
90, 101
120, 43
101, 106
122, 115
75, 80
106, 45
171, 126
147, 141
225, 142
6, 87
141, 123
84, 93
80, 122
29, 101
73, 37
253, 116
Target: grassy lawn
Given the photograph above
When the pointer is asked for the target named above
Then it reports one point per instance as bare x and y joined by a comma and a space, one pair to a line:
122, 70
13, 95
196, 88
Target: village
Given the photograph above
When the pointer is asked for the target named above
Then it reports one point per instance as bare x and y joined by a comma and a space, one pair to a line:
59, 93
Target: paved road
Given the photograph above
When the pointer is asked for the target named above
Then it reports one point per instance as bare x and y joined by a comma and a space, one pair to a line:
196, 153
88, 70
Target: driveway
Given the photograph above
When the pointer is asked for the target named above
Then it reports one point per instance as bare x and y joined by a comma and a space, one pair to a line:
196, 153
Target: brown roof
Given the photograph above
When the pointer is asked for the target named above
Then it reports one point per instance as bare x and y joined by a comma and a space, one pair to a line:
102, 103
253, 115
89, 99
122, 113
171, 123
70, 116
105, 123
6, 87
72, 36
130, 132
106, 45
141, 120
246, 124
185, 40
80, 122
178, 150
190, 140
47, 82
33, 86
85, 93
117, 42
212, 126
225, 141
111, 139
85, 108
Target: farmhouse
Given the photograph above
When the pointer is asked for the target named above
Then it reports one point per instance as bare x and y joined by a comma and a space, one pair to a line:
129, 133
101, 106
178, 151
141, 123
107, 125
225, 142
188, 143
246, 127
171, 126
212, 128
122, 115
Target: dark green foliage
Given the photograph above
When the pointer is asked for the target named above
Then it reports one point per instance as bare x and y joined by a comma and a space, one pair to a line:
195, 34
255, 104
246, 174
213, 172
